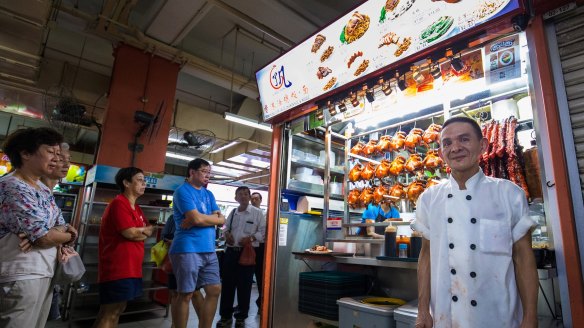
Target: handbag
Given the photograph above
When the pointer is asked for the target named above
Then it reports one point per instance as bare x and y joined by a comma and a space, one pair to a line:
70, 267
166, 265
247, 256
159, 252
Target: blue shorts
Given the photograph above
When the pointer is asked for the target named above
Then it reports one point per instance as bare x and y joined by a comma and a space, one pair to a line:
118, 291
195, 270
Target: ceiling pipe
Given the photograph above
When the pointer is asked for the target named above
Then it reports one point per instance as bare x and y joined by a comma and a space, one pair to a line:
199, 15
256, 24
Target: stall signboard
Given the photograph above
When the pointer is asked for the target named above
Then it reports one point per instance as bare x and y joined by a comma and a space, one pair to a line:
503, 60
374, 35
107, 174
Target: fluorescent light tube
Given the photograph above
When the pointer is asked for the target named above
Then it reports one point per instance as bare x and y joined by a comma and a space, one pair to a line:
179, 156
248, 121
231, 144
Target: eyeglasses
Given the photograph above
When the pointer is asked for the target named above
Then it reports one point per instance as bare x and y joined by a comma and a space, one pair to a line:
205, 172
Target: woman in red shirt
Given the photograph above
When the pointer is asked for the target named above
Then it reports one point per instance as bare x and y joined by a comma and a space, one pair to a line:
121, 248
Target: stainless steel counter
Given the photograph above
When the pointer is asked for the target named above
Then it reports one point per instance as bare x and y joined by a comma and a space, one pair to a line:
356, 260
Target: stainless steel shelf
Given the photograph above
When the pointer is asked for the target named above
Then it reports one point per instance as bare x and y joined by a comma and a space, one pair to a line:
314, 165
357, 240
378, 224
361, 260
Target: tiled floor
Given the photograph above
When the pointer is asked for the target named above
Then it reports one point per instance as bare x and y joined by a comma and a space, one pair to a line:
154, 320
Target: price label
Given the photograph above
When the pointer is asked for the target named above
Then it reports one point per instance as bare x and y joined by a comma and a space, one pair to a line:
560, 10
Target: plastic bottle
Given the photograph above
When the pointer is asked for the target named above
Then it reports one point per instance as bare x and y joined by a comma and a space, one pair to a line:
416, 243
403, 250
403, 239
390, 235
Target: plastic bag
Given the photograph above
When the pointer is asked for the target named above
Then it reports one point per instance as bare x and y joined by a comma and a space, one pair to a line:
159, 252
70, 267
167, 265
247, 256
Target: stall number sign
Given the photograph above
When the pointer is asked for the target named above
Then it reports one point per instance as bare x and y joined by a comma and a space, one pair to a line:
334, 224
560, 10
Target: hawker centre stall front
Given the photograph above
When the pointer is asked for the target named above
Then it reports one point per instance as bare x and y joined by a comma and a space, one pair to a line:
357, 109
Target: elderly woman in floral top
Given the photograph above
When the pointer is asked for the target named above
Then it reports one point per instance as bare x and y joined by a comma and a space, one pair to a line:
28, 211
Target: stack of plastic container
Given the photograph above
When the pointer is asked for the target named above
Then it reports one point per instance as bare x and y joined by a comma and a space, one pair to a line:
319, 291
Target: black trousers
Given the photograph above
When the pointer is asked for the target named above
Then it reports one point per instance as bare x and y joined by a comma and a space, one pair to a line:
259, 271
235, 277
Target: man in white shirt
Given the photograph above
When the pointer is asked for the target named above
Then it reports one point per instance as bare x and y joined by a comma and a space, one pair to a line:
476, 267
244, 225
256, 201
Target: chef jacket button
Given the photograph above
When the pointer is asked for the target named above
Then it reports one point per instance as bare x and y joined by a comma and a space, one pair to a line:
473, 246
468, 197
449, 195
473, 220
453, 271
451, 245
473, 274
449, 220
455, 298
473, 303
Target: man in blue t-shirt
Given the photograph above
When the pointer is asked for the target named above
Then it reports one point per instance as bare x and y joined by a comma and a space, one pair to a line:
192, 252
378, 213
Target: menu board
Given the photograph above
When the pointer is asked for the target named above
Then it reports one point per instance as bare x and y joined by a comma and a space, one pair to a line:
374, 35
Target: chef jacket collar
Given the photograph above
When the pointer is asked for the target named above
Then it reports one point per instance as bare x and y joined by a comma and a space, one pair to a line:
470, 183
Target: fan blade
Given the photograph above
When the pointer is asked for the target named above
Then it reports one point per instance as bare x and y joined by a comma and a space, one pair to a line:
157, 121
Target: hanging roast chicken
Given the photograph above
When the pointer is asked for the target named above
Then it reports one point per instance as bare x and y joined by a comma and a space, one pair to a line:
353, 198
379, 193
358, 148
432, 134
432, 182
397, 165
370, 148
384, 144
415, 189
414, 139
432, 160
398, 191
368, 172
414, 163
397, 141
355, 173
382, 170
366, 197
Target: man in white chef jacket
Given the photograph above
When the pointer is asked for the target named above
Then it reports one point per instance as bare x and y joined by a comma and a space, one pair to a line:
476, 266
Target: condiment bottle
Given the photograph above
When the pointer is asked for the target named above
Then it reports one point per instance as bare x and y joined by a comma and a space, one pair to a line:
403, 239
403, 251
416, 244
390, 234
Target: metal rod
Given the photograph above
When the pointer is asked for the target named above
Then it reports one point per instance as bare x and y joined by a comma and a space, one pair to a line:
397, 124
327, 180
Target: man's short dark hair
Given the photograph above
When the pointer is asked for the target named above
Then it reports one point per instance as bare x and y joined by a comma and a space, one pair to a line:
257, 193
196, 164
126, 174
242, 188
29, 140
463, 119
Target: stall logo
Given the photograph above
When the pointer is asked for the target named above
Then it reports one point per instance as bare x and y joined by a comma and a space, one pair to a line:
150, 181
278, 78
502, 44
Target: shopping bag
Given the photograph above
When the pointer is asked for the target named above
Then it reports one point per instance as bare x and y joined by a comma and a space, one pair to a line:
167, 265
247, 256
70, 266
159, 252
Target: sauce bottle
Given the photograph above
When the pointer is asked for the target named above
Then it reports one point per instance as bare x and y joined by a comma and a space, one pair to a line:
416, 243
390, 246
403, 239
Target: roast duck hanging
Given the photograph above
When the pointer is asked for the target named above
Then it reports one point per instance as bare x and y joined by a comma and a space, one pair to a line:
432, 160
432, 182
432, 134
379, 193
382, 170
355, 173
368, 172
414, 139
414, 191
397, 165
414, 163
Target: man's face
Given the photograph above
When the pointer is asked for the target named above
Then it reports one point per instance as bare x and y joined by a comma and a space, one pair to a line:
256, 200
242, 197
62, 167
202, 175
460, 147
